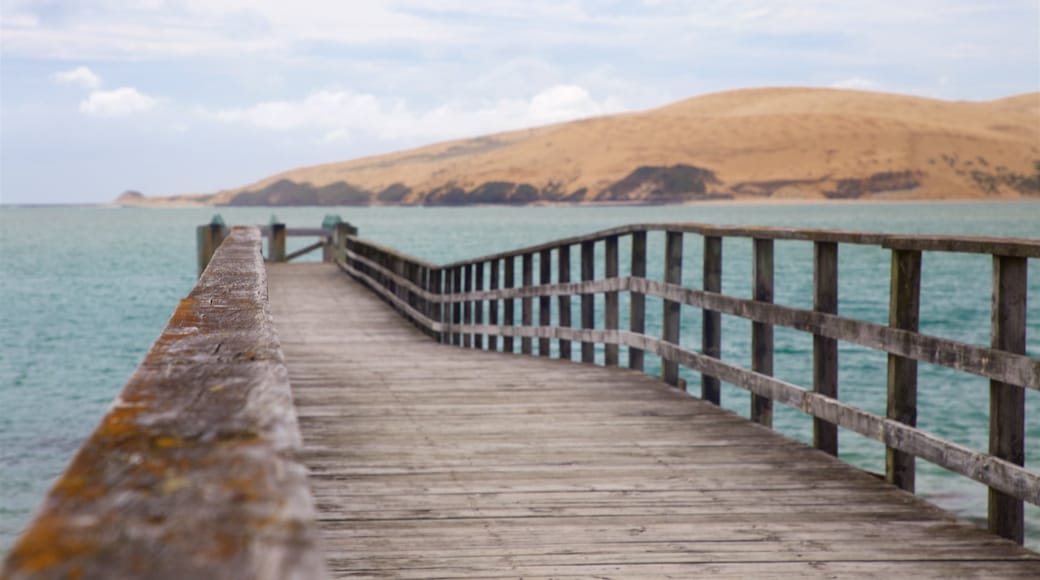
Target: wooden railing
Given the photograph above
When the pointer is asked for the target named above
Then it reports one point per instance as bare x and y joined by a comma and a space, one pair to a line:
471, 304
211, 235
194, 471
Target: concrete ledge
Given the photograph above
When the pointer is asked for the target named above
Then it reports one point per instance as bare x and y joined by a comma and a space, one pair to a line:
191, 473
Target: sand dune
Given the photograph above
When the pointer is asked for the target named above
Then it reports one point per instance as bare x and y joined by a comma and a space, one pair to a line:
777, 143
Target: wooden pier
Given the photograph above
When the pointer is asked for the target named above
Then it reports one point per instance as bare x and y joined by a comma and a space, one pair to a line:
434, 449
430, 461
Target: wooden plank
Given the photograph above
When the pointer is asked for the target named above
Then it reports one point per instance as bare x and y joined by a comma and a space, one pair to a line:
456, 286
610, 320
637, 301
903, 313
467, 305
493, 305
588, 303
478, 305
305, 250
762, 333
1007, 403
711, 321
438, 281
673, 251
527, 317
193, 471
276, 243
710, 230
563, 276
825, 350
476, 464
1007, 247
544, 302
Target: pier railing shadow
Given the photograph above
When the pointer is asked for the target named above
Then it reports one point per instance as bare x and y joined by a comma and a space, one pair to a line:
473, 304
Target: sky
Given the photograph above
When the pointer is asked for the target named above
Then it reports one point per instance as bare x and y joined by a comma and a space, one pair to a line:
193, 96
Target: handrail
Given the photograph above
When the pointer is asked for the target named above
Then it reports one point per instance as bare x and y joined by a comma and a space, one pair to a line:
193, 472
451, 302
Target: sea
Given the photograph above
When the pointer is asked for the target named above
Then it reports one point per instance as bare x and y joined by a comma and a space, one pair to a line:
84, 291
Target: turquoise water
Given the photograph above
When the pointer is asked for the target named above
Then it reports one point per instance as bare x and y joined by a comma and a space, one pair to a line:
84, 292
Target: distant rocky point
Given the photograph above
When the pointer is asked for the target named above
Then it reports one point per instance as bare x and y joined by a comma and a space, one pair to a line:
758, 144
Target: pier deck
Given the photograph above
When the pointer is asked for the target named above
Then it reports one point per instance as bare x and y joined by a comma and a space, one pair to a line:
431, 461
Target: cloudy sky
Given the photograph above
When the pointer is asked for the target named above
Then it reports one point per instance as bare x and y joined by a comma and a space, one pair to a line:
180, 96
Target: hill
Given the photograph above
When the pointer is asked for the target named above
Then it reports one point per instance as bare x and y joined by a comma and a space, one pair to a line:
776, 143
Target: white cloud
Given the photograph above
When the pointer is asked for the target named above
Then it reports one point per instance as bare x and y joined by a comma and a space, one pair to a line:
116, 103
80, 76
338, 115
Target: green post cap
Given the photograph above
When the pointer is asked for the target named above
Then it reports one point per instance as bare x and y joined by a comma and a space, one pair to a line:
217, 220
330, 221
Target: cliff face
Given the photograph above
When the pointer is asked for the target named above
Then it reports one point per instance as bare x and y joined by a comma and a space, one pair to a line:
761, 144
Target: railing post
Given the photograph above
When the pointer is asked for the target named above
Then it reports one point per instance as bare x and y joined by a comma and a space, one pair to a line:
456, 305
509, 315
544, 302
527, 263
903, 313
207, 239
276, 243
437, 287
340, 234
1007, 403
611, 299
670, 317
478, 305
637, 301
762, 333
563, 276
588, 300
825, 350
711, 325
467, 305
493, 304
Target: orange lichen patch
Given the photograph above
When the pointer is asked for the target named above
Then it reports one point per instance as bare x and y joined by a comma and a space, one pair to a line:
77, 486
120, 422
166, 442
48, 543
185, 315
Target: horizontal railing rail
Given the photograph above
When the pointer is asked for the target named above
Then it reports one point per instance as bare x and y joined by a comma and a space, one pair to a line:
472, 303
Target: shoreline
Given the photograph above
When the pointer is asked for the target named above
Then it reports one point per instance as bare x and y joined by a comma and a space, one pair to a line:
738, 202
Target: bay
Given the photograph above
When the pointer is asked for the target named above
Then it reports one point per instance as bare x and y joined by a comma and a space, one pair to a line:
84, 292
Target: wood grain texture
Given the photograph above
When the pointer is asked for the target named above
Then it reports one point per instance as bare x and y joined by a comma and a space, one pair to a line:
192, 472
429, 461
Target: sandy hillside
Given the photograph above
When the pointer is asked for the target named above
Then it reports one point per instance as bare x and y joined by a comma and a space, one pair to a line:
758, 143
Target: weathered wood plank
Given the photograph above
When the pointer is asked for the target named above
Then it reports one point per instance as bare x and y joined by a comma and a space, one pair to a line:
610, 299
563, 276
544, 302
825, 350
1007, 403
711, 321
192, 472
588, 301
762, 333
637, 301
904, 314
670, 317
